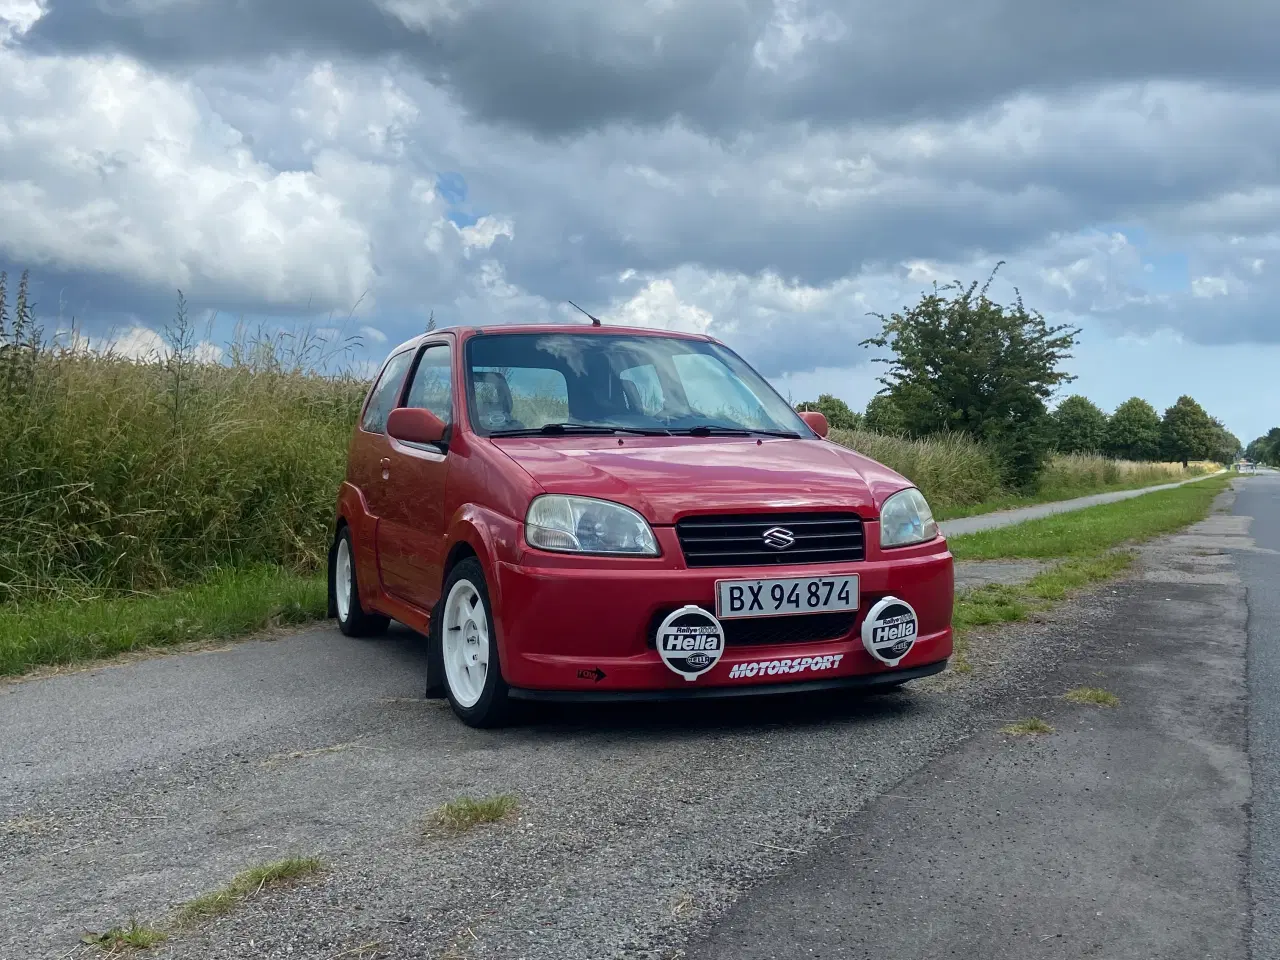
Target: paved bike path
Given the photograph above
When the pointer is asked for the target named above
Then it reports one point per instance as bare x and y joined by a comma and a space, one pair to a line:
1006, 518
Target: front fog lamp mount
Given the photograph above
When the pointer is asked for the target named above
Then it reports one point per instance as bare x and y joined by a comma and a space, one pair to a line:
565, 524
905, 519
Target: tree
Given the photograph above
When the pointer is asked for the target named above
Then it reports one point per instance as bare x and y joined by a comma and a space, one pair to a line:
965, 363
1187, 432
1133, 432
1266, 449
1079, 426
839, 415
883, 415
1224, 445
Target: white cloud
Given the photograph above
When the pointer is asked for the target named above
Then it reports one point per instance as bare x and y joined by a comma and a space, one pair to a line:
483, 233
108, 168
373, 335
1209, 287
658, 305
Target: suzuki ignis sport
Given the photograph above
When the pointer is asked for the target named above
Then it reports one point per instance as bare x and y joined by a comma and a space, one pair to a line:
596, 513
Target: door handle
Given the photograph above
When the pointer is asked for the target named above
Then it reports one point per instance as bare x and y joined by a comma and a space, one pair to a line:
386, 468
385, 462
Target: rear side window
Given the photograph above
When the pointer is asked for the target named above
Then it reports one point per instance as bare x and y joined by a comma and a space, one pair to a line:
432, 384
385, 394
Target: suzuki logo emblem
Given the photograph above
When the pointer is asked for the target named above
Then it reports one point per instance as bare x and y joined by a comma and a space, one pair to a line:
778, 537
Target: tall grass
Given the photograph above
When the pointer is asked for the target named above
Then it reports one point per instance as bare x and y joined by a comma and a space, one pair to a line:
960, 476
1069, 475
125, 475
951, 470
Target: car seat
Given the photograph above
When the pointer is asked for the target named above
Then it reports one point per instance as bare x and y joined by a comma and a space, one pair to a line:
493, 401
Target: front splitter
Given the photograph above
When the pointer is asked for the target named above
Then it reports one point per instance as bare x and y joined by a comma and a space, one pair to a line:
866, 681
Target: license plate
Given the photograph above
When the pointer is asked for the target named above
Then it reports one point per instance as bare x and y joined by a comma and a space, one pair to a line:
737, 599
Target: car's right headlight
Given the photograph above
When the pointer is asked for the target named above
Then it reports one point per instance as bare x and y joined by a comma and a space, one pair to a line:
905, 519
586, 525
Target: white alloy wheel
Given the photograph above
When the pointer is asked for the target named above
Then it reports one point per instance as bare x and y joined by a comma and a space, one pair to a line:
465, 643
342, 580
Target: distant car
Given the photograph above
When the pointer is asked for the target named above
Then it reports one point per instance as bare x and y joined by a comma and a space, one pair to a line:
598, 513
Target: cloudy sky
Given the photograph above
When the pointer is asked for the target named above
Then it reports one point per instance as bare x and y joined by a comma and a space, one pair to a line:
769, 171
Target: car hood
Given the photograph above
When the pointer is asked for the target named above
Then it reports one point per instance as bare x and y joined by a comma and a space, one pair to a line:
666, 478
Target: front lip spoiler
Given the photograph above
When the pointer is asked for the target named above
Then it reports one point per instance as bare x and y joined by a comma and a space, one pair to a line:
867, 681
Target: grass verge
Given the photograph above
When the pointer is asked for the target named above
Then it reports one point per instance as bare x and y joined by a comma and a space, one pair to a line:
458, 816
250, 883
1087, 541
230, 604
1093, 530
1012, 502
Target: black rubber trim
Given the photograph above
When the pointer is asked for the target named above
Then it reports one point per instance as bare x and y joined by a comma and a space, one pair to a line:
866, 681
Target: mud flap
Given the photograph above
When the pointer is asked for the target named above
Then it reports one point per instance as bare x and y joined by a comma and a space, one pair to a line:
331, 611
435, 656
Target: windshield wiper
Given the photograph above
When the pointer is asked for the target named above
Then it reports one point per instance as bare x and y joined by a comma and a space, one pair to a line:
581, 429
710, 430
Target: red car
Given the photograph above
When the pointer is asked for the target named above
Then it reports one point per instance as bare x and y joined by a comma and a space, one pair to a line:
592, 513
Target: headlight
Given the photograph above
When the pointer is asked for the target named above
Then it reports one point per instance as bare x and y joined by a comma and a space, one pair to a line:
905, 519
584, 525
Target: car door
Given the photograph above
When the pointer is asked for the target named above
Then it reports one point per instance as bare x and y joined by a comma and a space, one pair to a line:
411, 531
368, 458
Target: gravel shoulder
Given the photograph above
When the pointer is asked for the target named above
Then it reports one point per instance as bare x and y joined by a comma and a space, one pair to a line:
128, 789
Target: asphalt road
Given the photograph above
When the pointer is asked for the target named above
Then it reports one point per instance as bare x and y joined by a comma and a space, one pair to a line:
1122, 834
1260, 568
126, 790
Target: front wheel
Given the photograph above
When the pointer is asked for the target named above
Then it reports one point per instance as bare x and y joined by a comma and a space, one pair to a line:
464, 635
345, 593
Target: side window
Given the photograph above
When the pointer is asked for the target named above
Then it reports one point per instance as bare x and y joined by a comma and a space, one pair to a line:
385, 394
432, 384
648, 388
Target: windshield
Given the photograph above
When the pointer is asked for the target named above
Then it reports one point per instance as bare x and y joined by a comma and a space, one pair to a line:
580, 383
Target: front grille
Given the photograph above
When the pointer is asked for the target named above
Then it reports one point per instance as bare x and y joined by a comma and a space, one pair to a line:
738, 541
805, 628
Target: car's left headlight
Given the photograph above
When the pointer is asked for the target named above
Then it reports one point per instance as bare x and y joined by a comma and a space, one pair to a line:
586, 525
905, 519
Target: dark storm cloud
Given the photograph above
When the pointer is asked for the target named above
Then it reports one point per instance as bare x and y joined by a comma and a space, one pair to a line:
562, 66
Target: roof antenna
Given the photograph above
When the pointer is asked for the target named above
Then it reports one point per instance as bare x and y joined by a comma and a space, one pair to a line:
594, 321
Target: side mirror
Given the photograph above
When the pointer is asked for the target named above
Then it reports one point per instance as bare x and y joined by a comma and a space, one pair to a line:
816, 422
415, 425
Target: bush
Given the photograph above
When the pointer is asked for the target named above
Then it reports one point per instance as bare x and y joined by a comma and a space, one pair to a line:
837, 412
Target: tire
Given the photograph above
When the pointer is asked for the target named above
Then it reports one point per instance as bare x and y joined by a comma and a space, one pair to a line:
465, 646
344, 593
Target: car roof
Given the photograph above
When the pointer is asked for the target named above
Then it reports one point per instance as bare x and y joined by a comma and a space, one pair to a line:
463, 333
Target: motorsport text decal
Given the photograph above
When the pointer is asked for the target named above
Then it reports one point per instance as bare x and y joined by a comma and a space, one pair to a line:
774, 667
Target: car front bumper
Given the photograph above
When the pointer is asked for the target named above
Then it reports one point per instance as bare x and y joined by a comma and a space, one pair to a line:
580, 631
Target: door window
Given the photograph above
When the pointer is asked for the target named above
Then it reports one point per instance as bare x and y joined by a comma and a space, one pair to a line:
432, 384
385, 394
